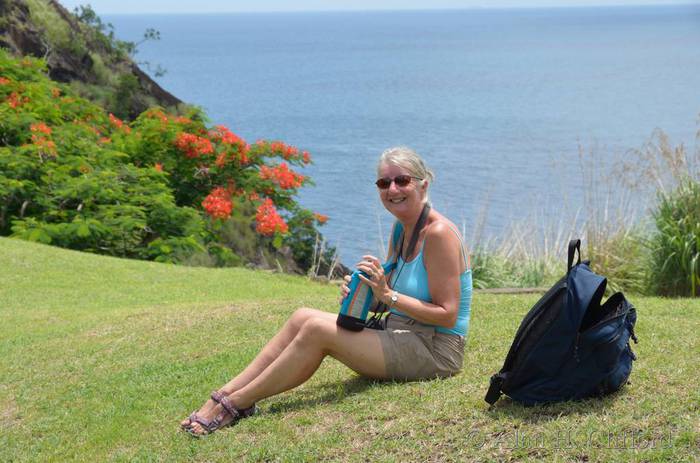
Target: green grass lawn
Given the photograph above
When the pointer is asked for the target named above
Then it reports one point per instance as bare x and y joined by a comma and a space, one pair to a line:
100, 359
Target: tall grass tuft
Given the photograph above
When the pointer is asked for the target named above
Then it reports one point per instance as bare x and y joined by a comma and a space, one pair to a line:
531, 253
614, 237
675, 246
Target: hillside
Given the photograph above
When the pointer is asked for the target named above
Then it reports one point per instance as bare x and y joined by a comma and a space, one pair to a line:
102, 357
81, 55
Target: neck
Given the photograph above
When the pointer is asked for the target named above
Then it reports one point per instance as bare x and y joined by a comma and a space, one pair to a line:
409, 223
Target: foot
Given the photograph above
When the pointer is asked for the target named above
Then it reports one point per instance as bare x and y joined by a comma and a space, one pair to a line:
217, 412
205, 410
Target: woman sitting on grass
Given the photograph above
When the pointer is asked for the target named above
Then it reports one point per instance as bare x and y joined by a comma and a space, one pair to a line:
422, 337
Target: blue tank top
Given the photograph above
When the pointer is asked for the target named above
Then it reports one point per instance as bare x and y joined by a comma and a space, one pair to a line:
413, 281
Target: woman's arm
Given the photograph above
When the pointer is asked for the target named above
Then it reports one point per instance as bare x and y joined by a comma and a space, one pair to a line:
344, 288
443, 261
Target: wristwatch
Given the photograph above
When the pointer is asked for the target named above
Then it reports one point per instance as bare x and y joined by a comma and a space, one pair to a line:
394, 297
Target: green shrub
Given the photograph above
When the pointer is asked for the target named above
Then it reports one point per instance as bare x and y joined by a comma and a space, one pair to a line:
675, 245
165, 187
122, 100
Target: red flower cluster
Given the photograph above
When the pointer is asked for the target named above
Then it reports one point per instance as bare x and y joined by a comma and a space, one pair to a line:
223, 134
287, 151
38, 128
192, 145
40, 134
218, 203
4, 81
268, 220
157, 114
118, 123
320, 217
282, 175
15, 100
158, 166
306, 157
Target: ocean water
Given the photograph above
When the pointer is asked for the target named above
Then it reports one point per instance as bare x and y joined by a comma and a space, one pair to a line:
499, 102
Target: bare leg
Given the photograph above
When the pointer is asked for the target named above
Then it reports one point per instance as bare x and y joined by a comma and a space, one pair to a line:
318, 337
268, 354
275, 346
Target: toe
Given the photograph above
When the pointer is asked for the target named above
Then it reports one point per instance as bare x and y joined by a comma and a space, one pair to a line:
197, 429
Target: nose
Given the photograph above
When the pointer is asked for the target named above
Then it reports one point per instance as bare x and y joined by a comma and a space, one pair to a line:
393, 187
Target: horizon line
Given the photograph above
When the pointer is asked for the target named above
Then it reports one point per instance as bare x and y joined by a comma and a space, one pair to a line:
379, 10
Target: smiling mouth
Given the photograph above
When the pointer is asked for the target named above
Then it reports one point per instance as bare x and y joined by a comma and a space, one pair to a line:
397, 200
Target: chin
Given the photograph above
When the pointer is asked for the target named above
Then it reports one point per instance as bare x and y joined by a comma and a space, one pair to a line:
399, 210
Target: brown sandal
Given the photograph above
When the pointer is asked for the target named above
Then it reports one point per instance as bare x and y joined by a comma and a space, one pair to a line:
212, 425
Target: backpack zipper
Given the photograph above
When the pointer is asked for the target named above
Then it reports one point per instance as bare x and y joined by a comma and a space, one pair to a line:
629, 326
623, 314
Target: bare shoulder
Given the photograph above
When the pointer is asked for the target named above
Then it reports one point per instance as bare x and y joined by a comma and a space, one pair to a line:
441, 236
443, 248
442, 229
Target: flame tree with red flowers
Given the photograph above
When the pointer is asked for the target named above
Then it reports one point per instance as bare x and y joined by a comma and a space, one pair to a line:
163, 187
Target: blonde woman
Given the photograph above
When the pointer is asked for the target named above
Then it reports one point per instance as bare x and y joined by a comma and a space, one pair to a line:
423, 336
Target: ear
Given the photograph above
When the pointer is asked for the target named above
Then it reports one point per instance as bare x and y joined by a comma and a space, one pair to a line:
424, 186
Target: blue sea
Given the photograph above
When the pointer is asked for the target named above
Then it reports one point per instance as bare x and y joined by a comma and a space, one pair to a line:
499, 102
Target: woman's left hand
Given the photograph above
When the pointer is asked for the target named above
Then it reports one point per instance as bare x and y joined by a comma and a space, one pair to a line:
377, 279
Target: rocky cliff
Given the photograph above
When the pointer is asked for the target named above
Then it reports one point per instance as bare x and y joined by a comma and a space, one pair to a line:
79, 54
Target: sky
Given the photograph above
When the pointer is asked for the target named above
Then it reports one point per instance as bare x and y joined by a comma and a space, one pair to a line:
220, 6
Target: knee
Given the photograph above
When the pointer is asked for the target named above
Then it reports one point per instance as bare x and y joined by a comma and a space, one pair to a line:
313, 331
300, 316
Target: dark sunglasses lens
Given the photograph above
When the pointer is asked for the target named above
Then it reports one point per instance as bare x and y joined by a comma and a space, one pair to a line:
383, 183
402, 180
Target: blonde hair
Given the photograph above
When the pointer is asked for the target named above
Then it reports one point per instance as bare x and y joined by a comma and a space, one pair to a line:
408, 159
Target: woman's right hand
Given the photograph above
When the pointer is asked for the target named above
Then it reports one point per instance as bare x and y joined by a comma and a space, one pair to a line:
344, 288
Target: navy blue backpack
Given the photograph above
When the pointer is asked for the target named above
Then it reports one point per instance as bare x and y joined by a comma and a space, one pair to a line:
569, 346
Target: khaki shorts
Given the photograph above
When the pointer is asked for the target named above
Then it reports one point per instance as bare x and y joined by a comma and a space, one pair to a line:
415, 351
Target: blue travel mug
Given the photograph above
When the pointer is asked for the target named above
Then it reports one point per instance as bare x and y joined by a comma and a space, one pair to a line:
355, 307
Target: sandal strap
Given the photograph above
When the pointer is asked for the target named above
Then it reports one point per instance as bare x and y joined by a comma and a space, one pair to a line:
216, 396
209, 425
248, 412
228, 406
220, 397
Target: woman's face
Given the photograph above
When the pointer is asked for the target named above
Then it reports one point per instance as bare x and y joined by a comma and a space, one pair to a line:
402, 202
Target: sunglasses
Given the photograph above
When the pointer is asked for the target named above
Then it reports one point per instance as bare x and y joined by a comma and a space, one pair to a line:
400, 180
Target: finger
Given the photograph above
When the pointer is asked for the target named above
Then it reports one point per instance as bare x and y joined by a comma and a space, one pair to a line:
372, 259
365, 267
347, 278
363, 263
367, 281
